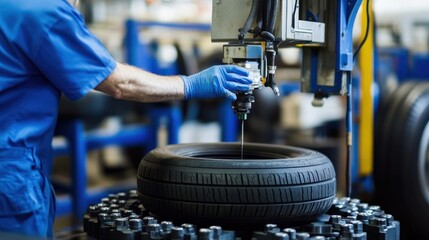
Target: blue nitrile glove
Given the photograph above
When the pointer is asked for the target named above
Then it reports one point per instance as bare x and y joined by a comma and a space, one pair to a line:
217, 81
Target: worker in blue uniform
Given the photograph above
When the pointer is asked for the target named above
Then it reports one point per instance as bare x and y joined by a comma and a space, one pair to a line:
46, 50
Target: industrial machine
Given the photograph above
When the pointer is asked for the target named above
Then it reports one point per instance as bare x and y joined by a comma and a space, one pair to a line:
255, 29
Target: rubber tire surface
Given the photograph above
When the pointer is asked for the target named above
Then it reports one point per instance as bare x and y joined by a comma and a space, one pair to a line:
210, 184
400, 123
385, 119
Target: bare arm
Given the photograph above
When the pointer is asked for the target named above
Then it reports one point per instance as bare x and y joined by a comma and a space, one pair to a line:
131, 83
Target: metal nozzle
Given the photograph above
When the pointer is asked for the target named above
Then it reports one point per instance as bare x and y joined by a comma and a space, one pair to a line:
243, 104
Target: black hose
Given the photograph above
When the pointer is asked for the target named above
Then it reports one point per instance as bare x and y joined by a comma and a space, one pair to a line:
266, 14
267, 35
273, 14
250, 19
259, 21
270, 16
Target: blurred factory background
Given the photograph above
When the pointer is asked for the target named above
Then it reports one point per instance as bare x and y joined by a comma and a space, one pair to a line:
100, 141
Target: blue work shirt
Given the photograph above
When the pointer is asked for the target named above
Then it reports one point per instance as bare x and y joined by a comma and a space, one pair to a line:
45, 50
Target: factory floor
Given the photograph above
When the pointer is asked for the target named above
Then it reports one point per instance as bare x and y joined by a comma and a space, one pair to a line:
120, 171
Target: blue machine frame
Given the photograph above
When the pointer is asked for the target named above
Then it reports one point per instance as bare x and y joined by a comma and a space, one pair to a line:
344, 62
80, 142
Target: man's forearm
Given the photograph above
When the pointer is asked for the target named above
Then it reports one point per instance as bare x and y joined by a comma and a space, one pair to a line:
130, 83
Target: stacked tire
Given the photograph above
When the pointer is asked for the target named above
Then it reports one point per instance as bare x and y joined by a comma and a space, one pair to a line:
401, 161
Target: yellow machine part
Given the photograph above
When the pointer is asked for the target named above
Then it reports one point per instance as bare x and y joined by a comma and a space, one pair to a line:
366, 118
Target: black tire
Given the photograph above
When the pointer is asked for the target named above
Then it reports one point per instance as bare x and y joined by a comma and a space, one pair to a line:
401, 170
385, 118
210, 184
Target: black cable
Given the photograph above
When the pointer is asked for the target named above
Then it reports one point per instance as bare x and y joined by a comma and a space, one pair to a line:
368, 17
349, 136
348, 173
293, 14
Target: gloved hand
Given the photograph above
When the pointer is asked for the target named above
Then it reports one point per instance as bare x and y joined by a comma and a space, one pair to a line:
217, 81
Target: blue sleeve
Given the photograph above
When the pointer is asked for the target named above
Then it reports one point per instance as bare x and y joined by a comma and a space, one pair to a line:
71, 57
